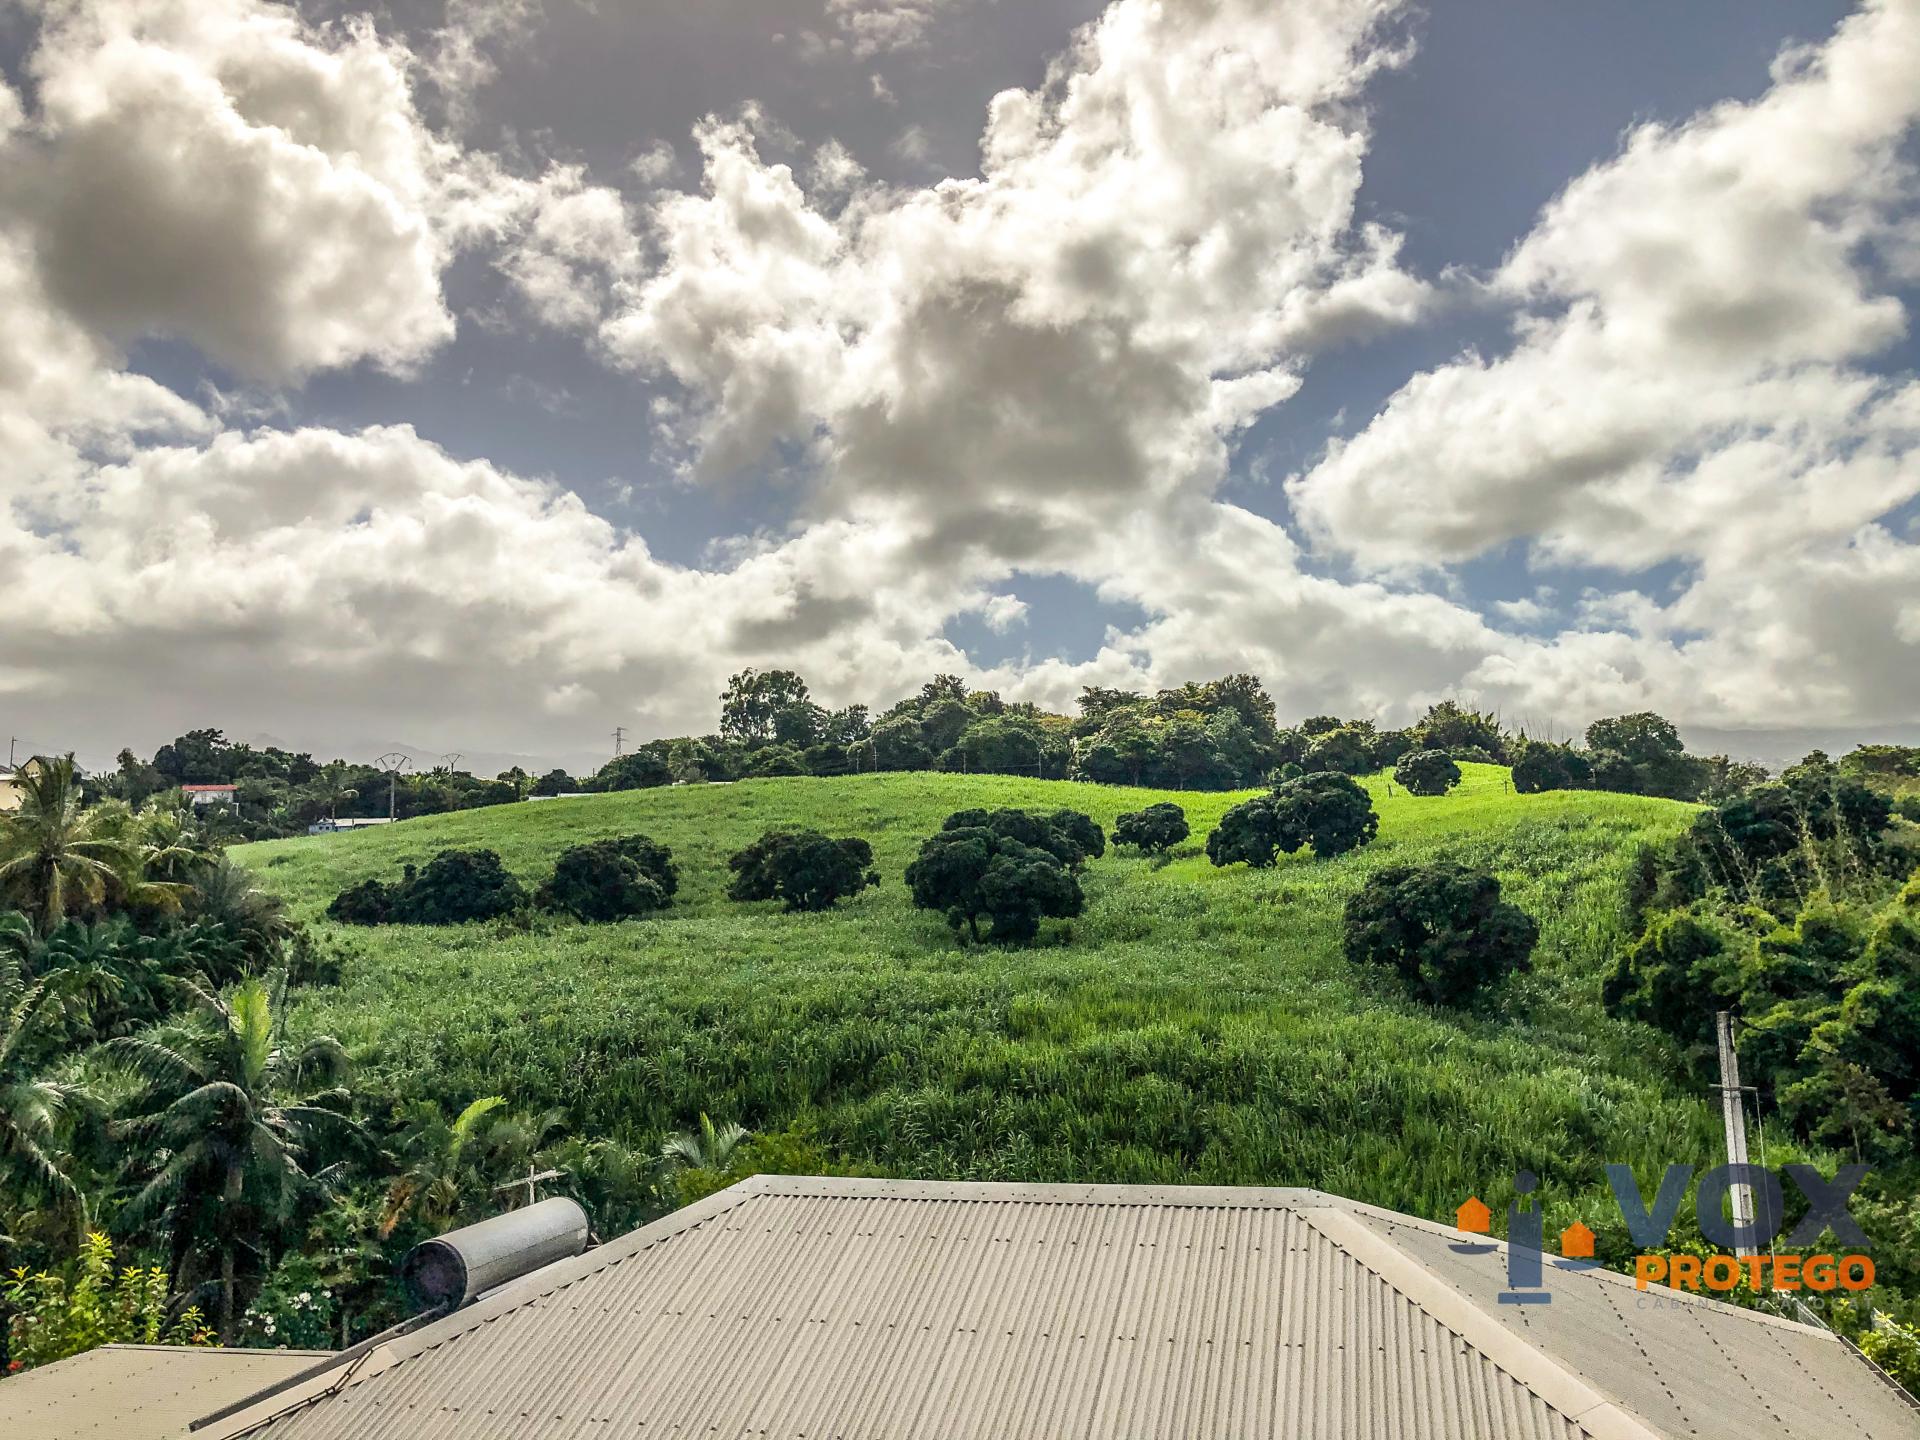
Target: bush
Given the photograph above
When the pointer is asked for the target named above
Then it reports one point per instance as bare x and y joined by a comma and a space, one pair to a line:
368, 903
642, 770
1427, 772
60, 1314
458, 886
803, 868
1067, 835
1157, 828
975, 872
1443, 928
1538, 767
1327, 811
455, 887
611, 880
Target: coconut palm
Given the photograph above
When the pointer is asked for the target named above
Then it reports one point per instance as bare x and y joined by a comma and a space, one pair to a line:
236, 1150
710, 1149
55, 856
30, 1106
329, 789
438, 1178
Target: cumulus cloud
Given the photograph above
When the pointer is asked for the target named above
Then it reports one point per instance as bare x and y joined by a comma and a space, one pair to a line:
1685, 375
226, 173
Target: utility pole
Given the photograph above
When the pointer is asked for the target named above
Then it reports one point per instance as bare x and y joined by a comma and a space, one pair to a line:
530, 1180
1733, 1116
619, 739
393, 762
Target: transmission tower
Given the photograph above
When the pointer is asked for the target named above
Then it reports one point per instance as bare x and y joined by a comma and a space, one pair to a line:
393, 762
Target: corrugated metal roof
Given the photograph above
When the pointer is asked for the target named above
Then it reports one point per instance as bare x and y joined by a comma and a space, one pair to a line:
137, 1392
838, 1309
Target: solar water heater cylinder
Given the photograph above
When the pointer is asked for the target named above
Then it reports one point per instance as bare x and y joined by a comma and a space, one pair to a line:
465, 1263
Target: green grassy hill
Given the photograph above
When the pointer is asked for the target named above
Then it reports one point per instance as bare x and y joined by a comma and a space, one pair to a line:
1195, 1025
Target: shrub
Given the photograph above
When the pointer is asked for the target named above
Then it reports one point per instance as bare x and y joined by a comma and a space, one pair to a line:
1443, 928
60, 1314
457, 886
1067, 835
1157, 828
1427, 772
803, 868
1327, 811
1451, 727
971, 872
368, 903
611, 880
1538, 767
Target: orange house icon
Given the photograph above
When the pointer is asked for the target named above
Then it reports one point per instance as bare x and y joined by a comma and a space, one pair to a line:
1474, 1217
1576, 1241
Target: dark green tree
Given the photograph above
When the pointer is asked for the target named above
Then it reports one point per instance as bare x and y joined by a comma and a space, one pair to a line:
1427, 772
611, 880
1442, 928
1154, 830
754, 700
970, 873
802, 868
1325, 810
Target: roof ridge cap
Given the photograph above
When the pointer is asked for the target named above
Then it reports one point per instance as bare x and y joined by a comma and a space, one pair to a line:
1565, 1390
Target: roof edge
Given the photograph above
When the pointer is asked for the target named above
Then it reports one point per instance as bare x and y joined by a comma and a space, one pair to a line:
489, 1306
1565, 1390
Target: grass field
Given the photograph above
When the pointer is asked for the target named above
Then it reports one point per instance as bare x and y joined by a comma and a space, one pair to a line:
1195, 1025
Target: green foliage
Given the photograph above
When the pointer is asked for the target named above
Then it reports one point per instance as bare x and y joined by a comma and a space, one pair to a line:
1642, 754
1007, 867
1427, 772
773, 760
1539, 767
642, 770
1203, 1027
1154, 830
1330, 812
56, 1314
1895, 1348
454, 888
293, 1308
802, 868
1069, 836
755, 701
610, 880
1675, 977
1443, 928
1451, 727
1348, 750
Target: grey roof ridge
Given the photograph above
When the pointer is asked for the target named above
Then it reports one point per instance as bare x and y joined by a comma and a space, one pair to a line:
1566, 1391
490, 1306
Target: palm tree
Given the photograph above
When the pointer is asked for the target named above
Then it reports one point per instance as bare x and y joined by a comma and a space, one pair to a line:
711, 1149
438, 1177
56, 856
170, 846
330, 789
30, 1106
236, 1152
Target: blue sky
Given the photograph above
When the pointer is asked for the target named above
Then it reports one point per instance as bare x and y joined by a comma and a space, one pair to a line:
484, 375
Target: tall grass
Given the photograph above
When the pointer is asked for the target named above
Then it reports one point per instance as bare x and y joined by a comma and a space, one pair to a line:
1194, 1025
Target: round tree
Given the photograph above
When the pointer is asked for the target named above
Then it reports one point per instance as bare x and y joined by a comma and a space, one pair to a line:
611, 880
971, 873
1330, 812
1067, 835
1427, 772
1156, 829
457, 886
803, 868
1442, 928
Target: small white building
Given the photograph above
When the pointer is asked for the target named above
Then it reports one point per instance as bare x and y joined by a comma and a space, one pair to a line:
198, 795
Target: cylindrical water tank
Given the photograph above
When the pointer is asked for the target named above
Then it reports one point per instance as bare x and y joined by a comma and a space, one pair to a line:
461, 1264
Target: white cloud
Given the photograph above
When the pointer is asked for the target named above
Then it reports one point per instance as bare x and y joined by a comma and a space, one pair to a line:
1683, 381
1002, 612
225, 173
573, 242
877, 27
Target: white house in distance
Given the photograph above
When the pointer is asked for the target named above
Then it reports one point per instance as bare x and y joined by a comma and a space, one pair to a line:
198, 795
